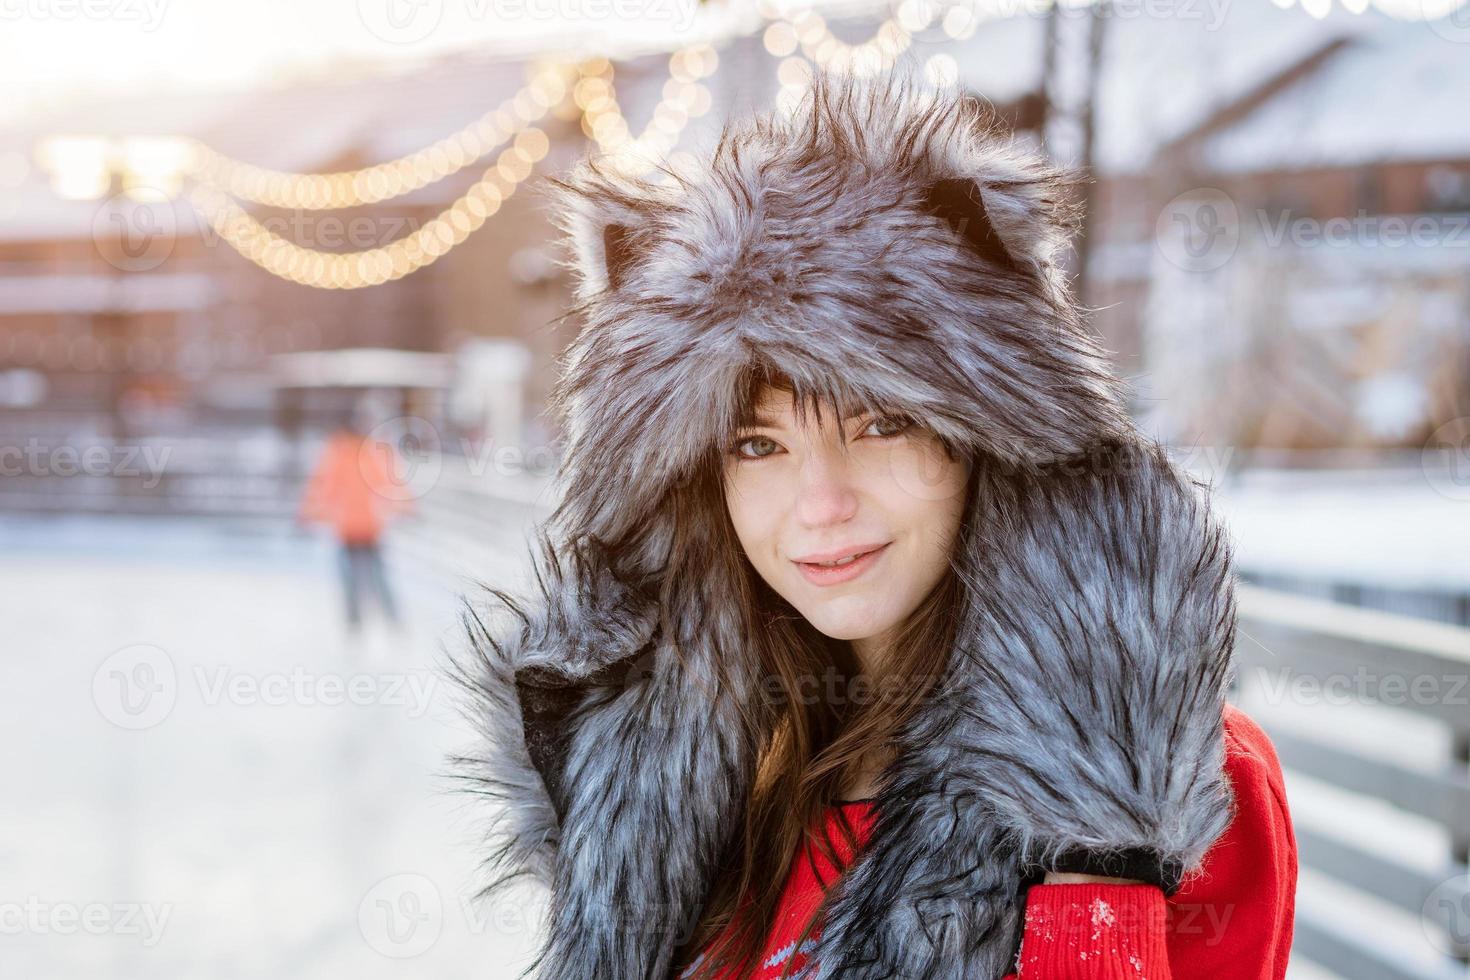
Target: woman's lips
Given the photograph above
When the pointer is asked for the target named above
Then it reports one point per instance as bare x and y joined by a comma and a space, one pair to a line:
836, 574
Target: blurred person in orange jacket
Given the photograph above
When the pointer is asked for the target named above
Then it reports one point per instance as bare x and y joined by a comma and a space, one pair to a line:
353, 488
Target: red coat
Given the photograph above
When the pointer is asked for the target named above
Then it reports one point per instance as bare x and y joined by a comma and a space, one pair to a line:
1231, 922
353, 488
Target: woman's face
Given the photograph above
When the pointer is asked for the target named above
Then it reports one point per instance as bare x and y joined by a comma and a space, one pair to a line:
895, 499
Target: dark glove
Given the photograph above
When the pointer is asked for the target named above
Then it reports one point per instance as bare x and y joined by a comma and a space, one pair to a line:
549, 700
1101, 651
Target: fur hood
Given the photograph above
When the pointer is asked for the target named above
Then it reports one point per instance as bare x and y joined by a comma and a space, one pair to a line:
884, 240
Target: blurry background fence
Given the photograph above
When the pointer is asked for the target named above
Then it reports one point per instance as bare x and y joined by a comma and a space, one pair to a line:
1324, 678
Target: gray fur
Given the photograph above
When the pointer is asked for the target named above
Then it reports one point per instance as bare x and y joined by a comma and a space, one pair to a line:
1082, 700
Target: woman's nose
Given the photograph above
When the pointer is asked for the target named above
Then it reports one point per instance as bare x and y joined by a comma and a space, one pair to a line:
824, 492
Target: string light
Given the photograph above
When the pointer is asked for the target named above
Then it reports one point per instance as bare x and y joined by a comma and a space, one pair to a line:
808, 30
394, 178
374, 266
683, 99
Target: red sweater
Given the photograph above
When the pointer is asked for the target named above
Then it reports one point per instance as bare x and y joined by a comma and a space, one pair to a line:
1231, 922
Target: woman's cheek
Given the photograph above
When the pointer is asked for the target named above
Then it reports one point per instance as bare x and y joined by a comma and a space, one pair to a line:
920, 472
754, 500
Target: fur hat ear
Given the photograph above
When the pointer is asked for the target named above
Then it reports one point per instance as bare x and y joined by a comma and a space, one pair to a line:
616, 253
960, 204
608, 221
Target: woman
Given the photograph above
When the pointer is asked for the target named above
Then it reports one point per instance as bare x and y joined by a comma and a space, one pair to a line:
849, 334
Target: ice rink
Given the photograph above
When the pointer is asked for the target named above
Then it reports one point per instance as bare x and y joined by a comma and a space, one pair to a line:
206, 777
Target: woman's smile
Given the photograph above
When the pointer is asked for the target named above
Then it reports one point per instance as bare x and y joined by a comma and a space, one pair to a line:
843, 570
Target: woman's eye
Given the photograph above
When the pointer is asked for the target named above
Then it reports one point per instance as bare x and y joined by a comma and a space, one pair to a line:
892, 424
739, 448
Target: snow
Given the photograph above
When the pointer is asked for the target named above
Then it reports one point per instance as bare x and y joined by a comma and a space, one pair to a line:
1408, 530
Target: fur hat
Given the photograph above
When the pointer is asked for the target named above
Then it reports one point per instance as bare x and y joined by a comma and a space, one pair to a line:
887, 241
885, 244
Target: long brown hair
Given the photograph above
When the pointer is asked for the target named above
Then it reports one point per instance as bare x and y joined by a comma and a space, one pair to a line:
807, 746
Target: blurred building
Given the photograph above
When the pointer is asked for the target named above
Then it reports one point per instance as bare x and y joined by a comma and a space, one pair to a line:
1296, 265
125, 318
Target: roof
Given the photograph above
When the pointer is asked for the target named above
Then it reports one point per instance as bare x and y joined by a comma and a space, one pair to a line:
1395, 94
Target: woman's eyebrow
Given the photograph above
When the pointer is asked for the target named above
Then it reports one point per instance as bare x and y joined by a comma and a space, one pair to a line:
763, 421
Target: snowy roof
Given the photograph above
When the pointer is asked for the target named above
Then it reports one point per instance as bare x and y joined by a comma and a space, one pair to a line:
1169, 65
1163, 76
1396, 94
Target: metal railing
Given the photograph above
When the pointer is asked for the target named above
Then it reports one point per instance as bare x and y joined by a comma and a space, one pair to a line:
1394, 663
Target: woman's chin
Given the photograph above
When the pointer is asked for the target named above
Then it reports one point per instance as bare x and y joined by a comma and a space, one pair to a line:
845, 618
